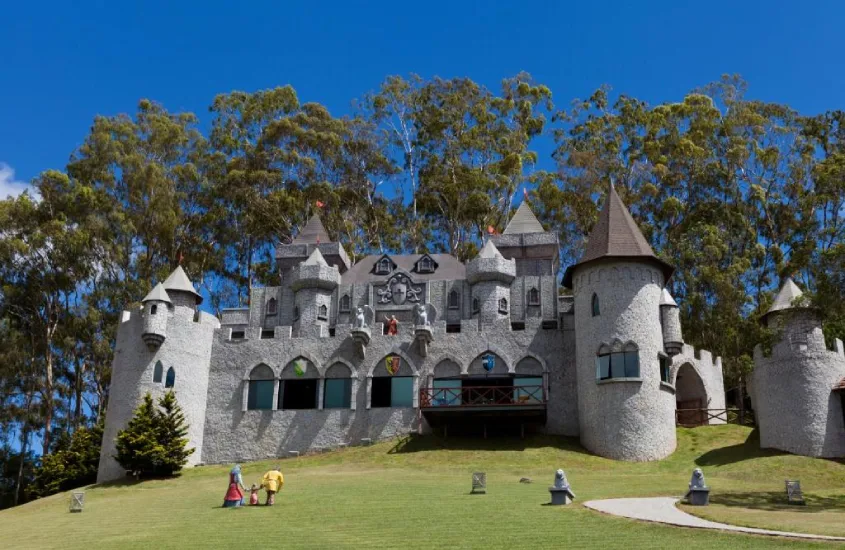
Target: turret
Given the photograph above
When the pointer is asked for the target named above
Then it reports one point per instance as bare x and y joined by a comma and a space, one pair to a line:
491, 275
180, 289
670, 318
313, 282
624, 411
155, 313
793, 387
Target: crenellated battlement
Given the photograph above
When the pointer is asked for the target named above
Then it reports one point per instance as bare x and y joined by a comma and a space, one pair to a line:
704, 357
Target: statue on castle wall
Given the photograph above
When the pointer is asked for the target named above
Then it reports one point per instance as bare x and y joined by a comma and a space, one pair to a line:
391, 325
364, 317
421, 314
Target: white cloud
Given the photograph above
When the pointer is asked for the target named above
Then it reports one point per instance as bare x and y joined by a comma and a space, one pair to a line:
8, 185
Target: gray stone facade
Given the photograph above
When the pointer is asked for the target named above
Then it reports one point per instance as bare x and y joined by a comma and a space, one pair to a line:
497, 318
792, 388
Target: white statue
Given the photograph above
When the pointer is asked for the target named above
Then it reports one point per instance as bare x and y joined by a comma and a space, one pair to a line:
422, 315
697, 481
560, 480
360, 320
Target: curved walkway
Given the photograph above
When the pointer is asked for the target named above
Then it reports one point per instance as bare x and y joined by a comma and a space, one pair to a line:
663, 510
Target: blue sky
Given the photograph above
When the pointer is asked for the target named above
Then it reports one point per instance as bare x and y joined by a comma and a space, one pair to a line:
62, 63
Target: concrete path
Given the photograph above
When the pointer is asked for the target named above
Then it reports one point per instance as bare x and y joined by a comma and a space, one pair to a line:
663, 510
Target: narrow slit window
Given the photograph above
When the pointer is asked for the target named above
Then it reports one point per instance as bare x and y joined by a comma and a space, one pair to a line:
170, 379
595, 305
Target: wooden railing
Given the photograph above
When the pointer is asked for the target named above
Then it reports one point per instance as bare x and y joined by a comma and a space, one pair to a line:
482, 396
700, 417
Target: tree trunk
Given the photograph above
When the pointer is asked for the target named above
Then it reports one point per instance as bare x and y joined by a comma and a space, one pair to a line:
24, 444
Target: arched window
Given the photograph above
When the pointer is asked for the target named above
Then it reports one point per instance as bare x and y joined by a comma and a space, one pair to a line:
261, 386
475, 307
298, 386
158, 370
391, 385
618, 364
454, 300
322, 312
337, 391
344, 302
153, 309
170, 379
503, 305
533, 297
596, 309
271, 306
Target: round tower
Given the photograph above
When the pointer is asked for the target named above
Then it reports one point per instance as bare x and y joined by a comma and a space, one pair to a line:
178, 360
792, 388
313, 282
155, 313
670, 318
491, 275
624, 410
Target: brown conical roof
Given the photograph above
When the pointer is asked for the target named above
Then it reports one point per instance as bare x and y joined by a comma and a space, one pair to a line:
524, 221
313, 232
616, 235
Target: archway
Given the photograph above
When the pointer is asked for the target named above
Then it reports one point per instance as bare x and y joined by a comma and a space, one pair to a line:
690, 397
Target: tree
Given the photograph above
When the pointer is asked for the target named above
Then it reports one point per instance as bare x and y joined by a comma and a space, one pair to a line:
154, 442
73, 464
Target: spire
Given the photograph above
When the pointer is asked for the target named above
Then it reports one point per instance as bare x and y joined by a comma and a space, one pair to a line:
786, 296
313, 232
178, 282
316, 258
489, 250
524, 221
157, 294
666, 299
616, 235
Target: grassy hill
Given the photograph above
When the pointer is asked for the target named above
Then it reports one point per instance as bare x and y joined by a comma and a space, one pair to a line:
414, 493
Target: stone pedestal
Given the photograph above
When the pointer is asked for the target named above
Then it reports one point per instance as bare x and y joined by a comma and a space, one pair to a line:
561, 497
699, 496
361, 337
423, 336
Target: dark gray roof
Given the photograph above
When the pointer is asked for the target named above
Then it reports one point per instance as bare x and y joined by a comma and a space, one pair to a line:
448, 268
789, 297
524, 221
616, 235
157, 294
313, 232
178, 282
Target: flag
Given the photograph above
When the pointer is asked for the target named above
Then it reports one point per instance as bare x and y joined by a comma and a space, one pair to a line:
491, 230
525, 193
320, 204
181, 257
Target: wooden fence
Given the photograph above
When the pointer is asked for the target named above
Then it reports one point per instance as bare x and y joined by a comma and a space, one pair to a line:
699, 417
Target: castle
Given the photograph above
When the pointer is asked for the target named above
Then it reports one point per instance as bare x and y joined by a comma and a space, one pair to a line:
340, 354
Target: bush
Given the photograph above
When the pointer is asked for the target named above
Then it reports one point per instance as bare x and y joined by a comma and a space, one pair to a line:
71, 465
154, 444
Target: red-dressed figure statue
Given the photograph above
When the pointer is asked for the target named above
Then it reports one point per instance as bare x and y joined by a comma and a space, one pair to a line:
392, 325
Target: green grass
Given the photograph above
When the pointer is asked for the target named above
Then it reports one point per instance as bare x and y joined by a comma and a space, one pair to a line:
414, 493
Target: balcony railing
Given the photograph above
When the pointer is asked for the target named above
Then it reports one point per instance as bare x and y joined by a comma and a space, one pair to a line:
482, 396
689, 418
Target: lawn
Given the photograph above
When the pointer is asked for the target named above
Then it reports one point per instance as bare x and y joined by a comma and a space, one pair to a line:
414, 493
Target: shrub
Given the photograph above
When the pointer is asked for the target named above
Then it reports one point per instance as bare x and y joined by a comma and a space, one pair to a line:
72, 465
154, 443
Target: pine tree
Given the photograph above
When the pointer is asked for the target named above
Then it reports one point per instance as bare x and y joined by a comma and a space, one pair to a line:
172, 432
72, 465
154, 443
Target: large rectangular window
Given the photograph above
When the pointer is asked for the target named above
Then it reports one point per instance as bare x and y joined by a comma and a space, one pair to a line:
447, 393
617, 365
528, 390
337, 393
396, 391
632, 364
260, 395
665, 364
298, 394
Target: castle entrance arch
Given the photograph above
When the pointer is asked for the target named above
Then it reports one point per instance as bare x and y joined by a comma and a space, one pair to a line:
690, 397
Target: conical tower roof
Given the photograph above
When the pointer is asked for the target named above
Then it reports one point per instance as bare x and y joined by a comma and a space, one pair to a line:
666, 299
178, 282
316, 258
157, 294
313, 232
616, 235
524, 221
786, 297
489, 250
